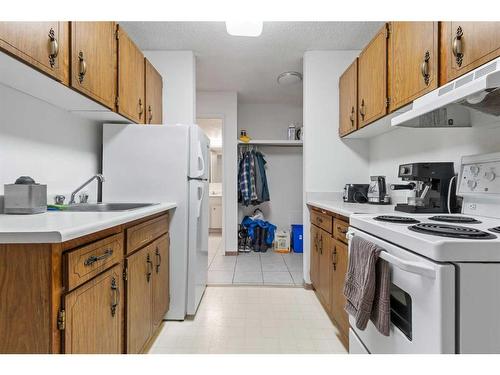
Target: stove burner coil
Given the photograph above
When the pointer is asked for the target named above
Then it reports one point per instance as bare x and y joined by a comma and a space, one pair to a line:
455, 219
496, 229
397, 219
453, 231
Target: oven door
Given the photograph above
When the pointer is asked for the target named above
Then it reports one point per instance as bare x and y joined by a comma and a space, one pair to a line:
422, 304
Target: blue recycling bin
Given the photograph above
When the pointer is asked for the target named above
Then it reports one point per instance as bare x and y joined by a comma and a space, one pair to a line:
297, 238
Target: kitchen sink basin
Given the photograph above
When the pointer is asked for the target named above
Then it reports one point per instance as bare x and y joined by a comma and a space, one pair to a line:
106, 207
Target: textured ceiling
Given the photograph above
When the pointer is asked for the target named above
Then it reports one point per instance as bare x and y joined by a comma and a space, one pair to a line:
250, 65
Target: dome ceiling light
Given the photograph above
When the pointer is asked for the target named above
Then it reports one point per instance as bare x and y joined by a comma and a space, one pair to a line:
244, 28
289, 78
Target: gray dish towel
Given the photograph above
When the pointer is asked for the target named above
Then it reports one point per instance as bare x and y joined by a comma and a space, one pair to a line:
367, 286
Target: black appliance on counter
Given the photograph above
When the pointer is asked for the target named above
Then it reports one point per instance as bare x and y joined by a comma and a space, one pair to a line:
431, 185
356, 193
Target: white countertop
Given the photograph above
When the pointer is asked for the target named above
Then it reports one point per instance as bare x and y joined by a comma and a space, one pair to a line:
347, 209
61, 226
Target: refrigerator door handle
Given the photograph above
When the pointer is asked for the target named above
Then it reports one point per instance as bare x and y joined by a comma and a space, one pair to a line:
201, 161
201, 196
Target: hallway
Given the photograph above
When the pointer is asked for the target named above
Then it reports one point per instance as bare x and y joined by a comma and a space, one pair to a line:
252, 268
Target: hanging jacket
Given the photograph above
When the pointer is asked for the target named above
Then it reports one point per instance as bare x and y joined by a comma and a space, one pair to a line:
262, 188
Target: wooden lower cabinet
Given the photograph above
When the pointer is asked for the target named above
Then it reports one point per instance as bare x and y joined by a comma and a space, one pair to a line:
94, 315
139, 297
161, 281
86, 295
314, 272
329, 259
337, 299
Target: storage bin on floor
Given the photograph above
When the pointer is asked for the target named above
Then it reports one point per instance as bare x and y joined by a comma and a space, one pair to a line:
297, 238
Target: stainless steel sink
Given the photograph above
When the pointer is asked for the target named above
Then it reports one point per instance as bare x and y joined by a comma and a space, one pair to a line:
106, 207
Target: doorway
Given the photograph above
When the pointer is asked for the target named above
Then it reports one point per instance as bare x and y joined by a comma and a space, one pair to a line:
213, 129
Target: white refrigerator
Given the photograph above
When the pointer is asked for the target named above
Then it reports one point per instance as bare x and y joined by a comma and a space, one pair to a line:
166, 163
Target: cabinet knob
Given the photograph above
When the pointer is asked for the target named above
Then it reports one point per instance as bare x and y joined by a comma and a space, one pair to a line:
351, 117
457, 46
83, 67
53, 48
424, 69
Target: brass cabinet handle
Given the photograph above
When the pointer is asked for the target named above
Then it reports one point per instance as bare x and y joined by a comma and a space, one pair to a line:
150, 268
150, 112
116, 296
53, 47
141, 109
321, 245
362, 109
457, 46
343, 231
319, 220
334, 259
95, 258
425, 68
351, 117
83, 67
158, 257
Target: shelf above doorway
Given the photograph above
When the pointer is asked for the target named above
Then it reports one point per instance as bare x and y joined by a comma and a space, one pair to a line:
272, 142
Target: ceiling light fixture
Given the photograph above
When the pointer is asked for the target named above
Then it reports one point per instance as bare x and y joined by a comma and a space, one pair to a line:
288, 78
244, 28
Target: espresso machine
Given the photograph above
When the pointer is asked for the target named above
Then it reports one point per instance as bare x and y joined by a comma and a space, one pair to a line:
430, 184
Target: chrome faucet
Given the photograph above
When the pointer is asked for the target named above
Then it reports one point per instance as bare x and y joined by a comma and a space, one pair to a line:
98, 176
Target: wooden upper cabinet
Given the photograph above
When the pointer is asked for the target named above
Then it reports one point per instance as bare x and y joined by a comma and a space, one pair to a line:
348, 100
466, 46
93, 60
372, 80
412, 61
139, 295
131, 103
161, 282
154, 94
43, 45
94, 315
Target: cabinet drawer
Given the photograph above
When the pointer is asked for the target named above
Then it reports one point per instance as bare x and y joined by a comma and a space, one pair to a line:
143, 233
86, 262
340, 228
322, 220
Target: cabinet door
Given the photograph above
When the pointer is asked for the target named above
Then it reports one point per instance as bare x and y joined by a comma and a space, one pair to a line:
413, 61
154, 94
348, 100
339, 269
314, 258
93, 60
131, 102
325, 252
139, 297
161, 281
372, 80
466, 46
43, 45
94, 315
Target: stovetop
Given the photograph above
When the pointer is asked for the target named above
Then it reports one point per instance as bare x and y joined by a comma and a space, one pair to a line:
441, 237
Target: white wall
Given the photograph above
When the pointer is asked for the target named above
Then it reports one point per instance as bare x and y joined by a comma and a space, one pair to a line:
284, 165
224, 105
49, 144
178, 69
329, 162
405, 145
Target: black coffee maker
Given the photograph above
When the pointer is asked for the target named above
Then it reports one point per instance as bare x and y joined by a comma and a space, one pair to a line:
431, 184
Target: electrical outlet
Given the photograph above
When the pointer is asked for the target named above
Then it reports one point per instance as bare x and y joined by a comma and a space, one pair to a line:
472, 206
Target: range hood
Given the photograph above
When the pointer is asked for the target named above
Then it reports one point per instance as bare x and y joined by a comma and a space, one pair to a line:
474, 97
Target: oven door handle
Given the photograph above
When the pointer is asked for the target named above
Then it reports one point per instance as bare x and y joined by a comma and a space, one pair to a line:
405, 265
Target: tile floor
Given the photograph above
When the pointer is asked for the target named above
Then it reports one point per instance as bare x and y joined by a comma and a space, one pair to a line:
252, 268
253, 320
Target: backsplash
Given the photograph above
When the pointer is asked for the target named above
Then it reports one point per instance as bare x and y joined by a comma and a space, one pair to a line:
49, 144
400, 146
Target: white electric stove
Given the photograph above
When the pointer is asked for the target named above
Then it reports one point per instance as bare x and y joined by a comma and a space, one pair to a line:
445, 271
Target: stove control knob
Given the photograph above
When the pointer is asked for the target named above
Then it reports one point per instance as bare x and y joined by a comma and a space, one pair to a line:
472, 184
490, 176
474, 170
